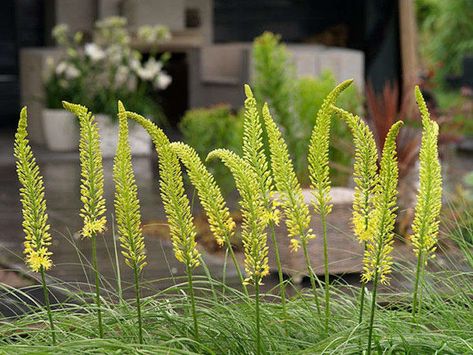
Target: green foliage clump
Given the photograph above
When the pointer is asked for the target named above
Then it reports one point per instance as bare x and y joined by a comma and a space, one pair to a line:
446, 33
206, 129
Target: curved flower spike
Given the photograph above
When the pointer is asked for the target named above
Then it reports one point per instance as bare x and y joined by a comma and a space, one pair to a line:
35, 219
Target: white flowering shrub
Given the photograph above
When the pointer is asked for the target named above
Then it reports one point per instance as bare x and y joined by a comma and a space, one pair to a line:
107, 68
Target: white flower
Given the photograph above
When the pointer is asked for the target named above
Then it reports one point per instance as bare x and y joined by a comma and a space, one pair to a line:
115, 53
121, 76
162, 81
135, 65
61, 67
150, 70
132, 83
94, 52
71, 72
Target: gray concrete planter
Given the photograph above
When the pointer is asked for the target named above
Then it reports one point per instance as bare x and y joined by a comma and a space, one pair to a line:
61, 130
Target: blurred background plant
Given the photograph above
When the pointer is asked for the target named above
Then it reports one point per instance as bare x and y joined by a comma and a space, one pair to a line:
446, 34
99, 72
294, 103
206, 129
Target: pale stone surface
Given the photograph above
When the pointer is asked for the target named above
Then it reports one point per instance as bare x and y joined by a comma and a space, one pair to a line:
32, 66
344, 251
170, 13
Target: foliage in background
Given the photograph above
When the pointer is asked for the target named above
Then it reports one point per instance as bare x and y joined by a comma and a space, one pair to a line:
294, 103
100, 72
206, 129
446, 33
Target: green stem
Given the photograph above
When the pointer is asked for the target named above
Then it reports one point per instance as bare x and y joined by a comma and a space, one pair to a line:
280, 272
258, 331
117, 265
237, 265
417, 287
362, 294
138, 303
373, 308
209, 277
362, 301
311, 275
224, 276
191, 293
97, 284
48, 306
326, 271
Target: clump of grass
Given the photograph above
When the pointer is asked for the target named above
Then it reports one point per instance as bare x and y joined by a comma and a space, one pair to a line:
228, 320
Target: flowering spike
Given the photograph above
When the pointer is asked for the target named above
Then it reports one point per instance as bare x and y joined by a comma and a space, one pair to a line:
35, 218
253, 234
318, 158
127, 205
253, 153
378, 259
176, 203
365, 172
429, 196
292, 199
218, 214
93, 210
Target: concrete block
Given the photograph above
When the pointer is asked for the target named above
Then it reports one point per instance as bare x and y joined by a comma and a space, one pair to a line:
345, 253
170, 13
32, 66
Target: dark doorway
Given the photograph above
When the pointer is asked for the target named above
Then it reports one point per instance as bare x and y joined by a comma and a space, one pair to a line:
21, 25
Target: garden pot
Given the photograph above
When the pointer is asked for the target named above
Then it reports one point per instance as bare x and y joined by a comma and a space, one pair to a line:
139, 139
61, 130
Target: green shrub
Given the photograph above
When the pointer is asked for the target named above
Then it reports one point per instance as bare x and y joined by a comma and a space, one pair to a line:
206, 129
446, 33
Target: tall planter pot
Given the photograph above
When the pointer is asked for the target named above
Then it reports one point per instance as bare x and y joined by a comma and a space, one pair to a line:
140, 141
61, 130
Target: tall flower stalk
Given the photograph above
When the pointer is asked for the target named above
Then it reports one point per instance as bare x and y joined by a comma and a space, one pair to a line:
319, 174
176, 206
253, 230
295, 209
429, 201
220, 221
35, 219
127, 211
365, 176
378, 259
254, 154
91, 189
